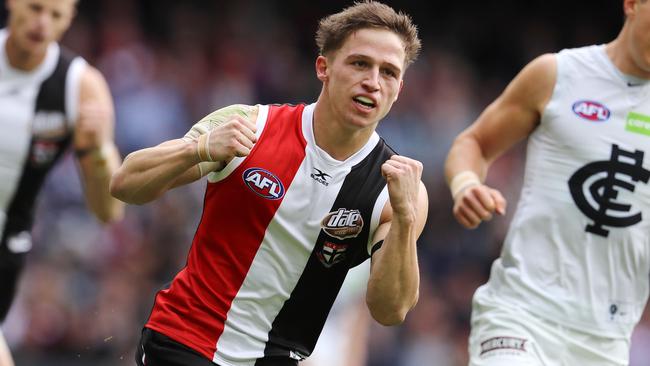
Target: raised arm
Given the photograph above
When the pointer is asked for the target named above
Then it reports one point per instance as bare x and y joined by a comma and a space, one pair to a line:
211, 143
94, 146
508, 120
393, 286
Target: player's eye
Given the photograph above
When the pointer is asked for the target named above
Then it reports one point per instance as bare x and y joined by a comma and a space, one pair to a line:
36, 8
389, 72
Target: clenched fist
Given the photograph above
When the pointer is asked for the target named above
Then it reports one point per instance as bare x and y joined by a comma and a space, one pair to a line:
477, 203
234, 138
403, 177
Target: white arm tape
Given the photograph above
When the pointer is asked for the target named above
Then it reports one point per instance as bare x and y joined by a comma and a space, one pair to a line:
463, 180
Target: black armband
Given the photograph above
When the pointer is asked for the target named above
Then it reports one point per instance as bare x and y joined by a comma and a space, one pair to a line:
376, 247
80, 153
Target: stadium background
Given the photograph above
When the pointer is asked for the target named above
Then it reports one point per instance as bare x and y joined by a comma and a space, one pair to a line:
88, 289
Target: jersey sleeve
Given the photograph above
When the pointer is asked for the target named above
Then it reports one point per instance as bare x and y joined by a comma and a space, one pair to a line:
217, 118
213, 120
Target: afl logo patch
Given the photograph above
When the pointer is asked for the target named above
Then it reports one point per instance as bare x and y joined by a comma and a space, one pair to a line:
591, 111
263, 183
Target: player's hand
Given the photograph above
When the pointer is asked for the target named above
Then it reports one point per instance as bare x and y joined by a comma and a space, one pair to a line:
403, 177
94, 126
234, 138
476, 204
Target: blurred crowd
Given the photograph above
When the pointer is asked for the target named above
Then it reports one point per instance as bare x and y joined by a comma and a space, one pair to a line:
89, 289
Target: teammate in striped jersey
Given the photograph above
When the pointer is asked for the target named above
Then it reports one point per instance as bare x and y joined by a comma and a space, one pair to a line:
296, 196
49, 99
572, 279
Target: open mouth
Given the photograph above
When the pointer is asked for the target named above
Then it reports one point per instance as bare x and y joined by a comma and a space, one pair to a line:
35, 37
364, 102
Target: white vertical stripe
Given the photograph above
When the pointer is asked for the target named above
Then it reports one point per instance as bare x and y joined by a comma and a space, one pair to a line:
72, 89
15, 113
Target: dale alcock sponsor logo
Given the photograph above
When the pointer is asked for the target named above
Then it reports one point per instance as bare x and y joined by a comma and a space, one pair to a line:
343, 223
264, 183
49, 125
591, 111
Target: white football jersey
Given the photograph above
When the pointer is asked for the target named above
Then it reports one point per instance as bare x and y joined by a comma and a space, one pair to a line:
38, 110
578, 250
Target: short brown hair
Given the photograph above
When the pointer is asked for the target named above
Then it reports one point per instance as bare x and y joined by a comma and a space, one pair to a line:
333, 30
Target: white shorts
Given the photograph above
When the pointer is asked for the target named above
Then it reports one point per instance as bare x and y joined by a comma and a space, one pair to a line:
504, 335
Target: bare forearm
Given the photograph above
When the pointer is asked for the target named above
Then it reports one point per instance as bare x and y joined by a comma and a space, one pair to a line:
395, 279
146, 174
465, 154
97, 168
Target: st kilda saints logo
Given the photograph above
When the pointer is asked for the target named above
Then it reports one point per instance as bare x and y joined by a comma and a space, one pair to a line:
340, 224
332, 253
597, 201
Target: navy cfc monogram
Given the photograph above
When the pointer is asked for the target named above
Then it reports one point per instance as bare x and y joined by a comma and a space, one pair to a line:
604, 189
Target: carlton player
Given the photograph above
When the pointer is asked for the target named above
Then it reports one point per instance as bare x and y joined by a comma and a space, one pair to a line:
50, 99
572, 279
296, 196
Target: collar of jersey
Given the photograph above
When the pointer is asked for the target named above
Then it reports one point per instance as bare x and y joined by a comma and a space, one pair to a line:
323, 156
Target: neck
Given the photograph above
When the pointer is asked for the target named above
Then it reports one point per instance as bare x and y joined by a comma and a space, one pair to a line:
21, 59
331, 135
619, 52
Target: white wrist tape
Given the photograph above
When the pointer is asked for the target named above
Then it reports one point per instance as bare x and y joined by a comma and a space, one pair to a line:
203, 147
207, 146
463, 180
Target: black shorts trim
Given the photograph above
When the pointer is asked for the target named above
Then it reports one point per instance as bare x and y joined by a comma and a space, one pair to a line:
156, 349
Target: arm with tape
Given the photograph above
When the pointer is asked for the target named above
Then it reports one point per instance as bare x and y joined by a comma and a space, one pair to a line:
209, 145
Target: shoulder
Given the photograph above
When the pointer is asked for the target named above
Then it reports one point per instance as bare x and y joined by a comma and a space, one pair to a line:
91, 77
541, 68
93, 88
576, 63
534, 84
221, 116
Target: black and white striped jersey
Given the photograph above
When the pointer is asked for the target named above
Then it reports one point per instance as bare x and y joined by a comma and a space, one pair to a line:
37, 113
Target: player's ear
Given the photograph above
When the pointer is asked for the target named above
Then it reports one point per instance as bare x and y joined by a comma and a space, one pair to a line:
629, 7
322, 69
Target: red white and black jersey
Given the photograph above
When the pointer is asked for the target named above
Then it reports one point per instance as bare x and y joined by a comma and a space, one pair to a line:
280, 229
37, 114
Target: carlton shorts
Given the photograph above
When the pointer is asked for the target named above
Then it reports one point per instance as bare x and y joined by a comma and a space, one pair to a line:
508, 336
